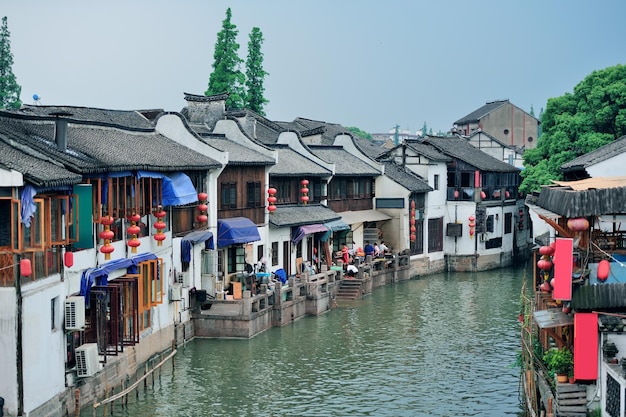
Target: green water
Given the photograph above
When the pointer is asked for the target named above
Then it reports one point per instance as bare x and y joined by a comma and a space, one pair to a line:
441, 345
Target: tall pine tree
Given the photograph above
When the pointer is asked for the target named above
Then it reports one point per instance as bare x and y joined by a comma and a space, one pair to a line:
255, 74
9, 88
226, 76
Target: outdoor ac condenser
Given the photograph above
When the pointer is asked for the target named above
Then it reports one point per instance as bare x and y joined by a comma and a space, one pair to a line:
86, 360
75, 313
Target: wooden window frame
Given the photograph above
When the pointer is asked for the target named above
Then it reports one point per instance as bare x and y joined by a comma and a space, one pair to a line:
228, 195
253, 193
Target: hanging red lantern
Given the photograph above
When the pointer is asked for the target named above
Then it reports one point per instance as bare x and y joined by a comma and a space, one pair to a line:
471, 225
203, 207
413, 237
483, 195
202, 218
546, 250
578, 224
106, 235
412, 204
159, 225
545, 287
271, 199
133, 230
203, 196
544, 264
604, 268
68, 259
133, 243
413, 229
25, 268
305, 191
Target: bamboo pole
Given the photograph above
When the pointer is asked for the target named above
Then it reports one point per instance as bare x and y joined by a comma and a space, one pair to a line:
131, 387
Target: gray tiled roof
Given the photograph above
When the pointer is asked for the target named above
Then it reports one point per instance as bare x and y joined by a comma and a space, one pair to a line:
308, 127
421, 148
459, 148
238, 154
406, 178
481, 112
292, 215
292, 163
346, 164
96, 148
36, 168
369, 148
591, 158
124, 118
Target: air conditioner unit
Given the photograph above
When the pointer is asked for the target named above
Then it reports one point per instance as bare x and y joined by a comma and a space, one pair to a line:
75, 313
86, 360
176, 292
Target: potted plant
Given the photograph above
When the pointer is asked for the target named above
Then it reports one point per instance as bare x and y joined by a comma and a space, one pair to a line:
560, 362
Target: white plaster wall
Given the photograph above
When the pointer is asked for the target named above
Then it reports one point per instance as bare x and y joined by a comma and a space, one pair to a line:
43, 348
459, 212
614, 166
280, 235
11, 178
8, 340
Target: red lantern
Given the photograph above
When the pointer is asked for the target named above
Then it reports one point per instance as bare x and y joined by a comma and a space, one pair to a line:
413, 229
203, 207
159, 226
413, 237
604, 268
203, 196
304, 198
271, 199
304, 182
106, 235
133, 243
471, 225
106, 220
579, 224
456, 194
305, 191
545, 287
546, 250
107, 249
68, 259
134, 230
544, 264
412, 205
25, 268
202, 218
483, 195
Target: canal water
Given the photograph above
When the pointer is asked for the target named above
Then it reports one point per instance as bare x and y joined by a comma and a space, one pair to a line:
441, 345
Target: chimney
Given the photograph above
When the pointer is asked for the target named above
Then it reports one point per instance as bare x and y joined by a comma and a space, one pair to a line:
60, 129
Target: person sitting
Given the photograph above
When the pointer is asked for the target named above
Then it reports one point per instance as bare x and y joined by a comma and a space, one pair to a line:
383, 248
377, 252
369, 249
352, 270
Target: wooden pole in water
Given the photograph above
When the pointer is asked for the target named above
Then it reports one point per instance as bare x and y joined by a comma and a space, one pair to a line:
76, 402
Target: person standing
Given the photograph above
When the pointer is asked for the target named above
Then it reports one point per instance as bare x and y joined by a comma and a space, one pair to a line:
377, 252
369, 249
383, 248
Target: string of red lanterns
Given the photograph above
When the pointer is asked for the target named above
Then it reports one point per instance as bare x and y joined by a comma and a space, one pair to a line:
472, 225
203, 208
305, 191
271, 200
106, 235
412, 221
159, 226
133, 231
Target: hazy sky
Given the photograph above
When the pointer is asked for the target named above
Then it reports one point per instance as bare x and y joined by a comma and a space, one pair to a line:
370, 64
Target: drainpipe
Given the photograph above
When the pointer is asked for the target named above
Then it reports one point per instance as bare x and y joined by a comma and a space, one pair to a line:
60, 129
18, 353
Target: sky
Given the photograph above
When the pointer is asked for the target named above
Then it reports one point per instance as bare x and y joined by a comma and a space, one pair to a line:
362, 63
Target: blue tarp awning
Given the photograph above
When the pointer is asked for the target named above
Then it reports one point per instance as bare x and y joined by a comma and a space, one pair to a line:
100, 275
197, 236
178, 189
236, 230
334, 226
300, 232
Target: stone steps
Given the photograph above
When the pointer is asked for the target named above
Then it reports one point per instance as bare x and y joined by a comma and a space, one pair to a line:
349, 289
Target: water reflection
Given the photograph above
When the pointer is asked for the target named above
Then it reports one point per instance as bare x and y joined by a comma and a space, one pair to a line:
441, 345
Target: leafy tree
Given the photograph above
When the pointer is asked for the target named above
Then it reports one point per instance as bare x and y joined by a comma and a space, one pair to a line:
10, 90
226, 76
424, 129
255, 74
360, 133
575, 124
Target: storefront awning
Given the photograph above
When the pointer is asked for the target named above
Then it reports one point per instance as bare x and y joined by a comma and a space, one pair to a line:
197, 236
236, 230
300, 232
352, 217
334, 226
552, 317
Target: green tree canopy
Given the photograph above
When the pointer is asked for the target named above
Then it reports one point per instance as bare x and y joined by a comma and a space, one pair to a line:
360, 133
226, 76
255, 74
10, 90
575, 124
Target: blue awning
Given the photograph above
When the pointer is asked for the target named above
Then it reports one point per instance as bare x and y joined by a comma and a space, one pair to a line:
236, 230
100, 275
197, 236
178, 189
300, 232
334, 226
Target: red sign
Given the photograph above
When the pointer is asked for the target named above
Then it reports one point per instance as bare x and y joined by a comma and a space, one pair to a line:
562, 269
